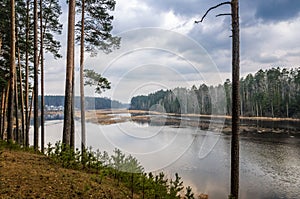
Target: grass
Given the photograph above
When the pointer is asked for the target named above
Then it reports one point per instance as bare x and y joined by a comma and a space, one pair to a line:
64, 173
24, 174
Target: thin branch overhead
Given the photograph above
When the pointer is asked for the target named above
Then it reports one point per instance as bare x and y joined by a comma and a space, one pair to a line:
211, 8
224, 14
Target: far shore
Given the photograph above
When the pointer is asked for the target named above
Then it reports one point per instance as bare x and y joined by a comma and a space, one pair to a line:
204, 122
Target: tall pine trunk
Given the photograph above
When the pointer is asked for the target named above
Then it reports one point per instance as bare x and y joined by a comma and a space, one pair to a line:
27, 77
36, 79
3, 112
72, 136
67, 129
82, 100
22, 99
16, 131
10, 116
234, 189
21, 138
42, 78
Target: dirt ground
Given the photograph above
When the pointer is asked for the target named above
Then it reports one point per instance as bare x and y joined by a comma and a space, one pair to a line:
28, 175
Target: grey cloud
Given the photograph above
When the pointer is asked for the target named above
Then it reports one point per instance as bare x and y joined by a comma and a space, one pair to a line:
187, 7
265, 10
276, 10
259, 40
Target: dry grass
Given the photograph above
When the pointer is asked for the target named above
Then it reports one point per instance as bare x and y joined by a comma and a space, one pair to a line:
108, 113
27, 175
202, 121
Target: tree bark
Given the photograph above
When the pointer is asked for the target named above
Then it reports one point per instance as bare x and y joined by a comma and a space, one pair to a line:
42, 78
21, 135
10, 117
5, 109
69, 76
27, 77
82, 100
22, 99
234, 190
36, 84
72, 137
3, 112
17, 137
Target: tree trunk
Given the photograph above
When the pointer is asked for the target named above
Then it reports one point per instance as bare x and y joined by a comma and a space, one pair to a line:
10, 117
21, 137
30, 111
272, 108
3, 107
1, 112
82, 100
287, 109
256, 109
260, 108
72, 137
234, 189
27, 77
42, 78
69, 76
17, 138
22, 99
242, 107
36, 79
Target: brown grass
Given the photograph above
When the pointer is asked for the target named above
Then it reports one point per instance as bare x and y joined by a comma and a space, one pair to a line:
108, 112
27, 175
107, 117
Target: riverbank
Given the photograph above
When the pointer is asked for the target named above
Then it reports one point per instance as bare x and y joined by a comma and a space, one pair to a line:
204, 122
64, 173
29, 175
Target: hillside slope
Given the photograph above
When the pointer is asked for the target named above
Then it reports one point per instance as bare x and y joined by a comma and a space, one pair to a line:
28, 175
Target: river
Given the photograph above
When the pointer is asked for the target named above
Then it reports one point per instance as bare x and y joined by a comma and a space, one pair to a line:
269, 163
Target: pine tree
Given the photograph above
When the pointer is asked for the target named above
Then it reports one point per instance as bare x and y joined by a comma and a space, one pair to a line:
50, 10
10, 117
68, 110
94, 33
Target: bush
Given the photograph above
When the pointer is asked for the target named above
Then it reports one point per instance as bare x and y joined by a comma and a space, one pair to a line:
124, 169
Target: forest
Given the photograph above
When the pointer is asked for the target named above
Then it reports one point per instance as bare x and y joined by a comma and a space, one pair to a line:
273, 92
91, 103
28, 30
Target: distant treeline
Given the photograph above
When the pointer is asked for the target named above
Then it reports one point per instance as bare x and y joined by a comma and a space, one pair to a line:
273, 92
90, 102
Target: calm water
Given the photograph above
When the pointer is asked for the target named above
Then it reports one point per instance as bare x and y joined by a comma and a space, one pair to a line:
269, 164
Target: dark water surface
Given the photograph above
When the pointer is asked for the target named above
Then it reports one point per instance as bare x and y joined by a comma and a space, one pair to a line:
269, 163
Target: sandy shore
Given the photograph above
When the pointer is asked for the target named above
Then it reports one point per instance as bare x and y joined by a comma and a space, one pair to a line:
204, 122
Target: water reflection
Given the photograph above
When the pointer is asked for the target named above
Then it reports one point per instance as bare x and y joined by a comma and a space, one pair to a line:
269, 163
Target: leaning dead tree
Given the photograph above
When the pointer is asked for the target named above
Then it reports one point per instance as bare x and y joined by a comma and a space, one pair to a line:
234, 186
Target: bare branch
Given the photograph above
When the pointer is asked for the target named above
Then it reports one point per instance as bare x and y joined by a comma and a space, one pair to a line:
214, 7
225, 14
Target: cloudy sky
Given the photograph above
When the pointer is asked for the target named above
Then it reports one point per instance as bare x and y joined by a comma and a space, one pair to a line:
163, 48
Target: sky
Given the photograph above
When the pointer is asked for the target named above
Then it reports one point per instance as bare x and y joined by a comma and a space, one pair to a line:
162, 47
